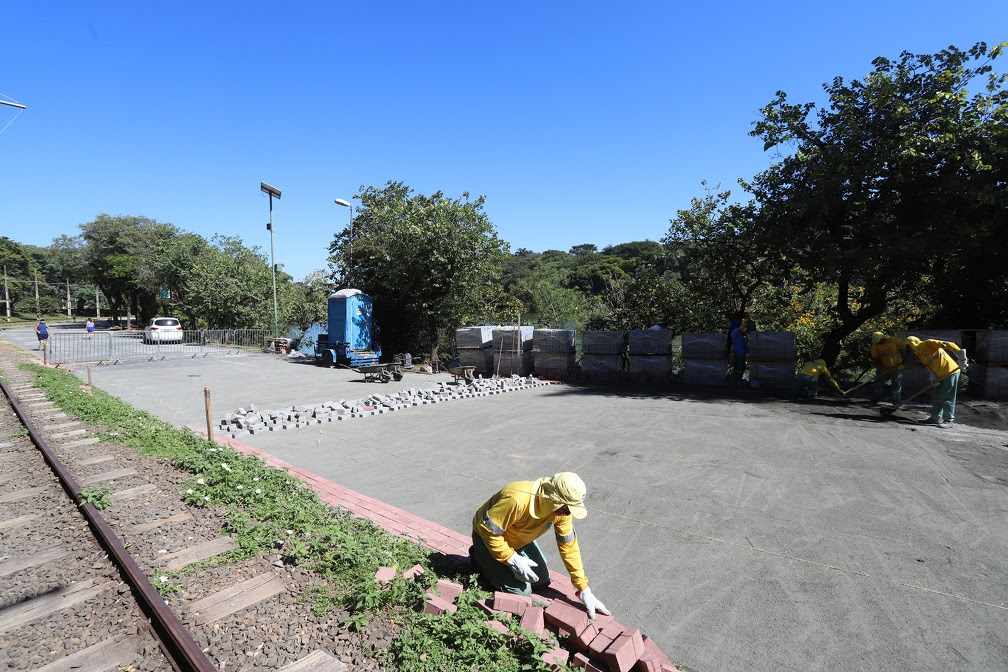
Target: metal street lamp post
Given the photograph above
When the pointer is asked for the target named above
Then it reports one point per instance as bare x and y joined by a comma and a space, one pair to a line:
346, 204
272, 191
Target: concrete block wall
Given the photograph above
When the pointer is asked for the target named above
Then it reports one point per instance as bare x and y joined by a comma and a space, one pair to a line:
512, 339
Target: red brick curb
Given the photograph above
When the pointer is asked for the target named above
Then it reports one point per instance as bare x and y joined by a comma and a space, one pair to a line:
565, 609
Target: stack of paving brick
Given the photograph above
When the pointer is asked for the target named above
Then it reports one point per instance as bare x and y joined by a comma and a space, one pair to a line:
705, 359
991, 370
512, 350
602, 355
553, 353
650, 355
772, 359
475, 348
915, 376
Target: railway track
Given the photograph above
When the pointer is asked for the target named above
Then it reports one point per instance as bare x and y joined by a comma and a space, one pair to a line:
77, 585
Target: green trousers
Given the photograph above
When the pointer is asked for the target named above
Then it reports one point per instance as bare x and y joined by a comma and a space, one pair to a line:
895, 380
943, 399
500, 575
805, 387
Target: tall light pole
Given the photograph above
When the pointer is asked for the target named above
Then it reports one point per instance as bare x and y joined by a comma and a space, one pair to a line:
272, 191
346, 204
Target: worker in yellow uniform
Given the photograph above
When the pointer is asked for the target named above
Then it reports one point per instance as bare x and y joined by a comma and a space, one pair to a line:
506, 526
806, 384
944, 360
885, 353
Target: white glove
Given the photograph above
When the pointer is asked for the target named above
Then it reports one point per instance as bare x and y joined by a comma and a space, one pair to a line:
963, 362
592, 604
521, 567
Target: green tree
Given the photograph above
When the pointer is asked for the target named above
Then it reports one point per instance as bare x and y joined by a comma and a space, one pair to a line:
21, 268
896, 188
306, 302
231, 287
423, 260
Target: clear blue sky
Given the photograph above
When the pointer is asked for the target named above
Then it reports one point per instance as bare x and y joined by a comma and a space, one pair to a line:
582, 122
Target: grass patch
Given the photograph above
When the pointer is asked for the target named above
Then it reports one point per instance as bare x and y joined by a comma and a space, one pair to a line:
265, 505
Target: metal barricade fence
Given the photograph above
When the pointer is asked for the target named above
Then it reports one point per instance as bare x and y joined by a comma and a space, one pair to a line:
112, 347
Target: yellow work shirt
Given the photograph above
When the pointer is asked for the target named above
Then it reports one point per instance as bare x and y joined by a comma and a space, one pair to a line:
814, 370
933, 353
505, 524
887, 353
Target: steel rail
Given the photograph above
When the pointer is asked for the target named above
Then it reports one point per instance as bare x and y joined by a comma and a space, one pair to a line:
176, 642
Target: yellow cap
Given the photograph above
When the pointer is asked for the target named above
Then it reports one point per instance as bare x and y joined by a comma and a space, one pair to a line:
563, 489
876, 337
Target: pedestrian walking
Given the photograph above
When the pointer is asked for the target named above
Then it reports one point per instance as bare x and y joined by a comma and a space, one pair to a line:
42, 332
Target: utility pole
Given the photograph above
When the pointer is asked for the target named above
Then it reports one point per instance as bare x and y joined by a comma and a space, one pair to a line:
38, 311
6, 295
69, 314
96, 306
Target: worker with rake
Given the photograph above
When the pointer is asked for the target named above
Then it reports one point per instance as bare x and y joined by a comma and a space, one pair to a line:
944, 361
885, 353
506, 526
806, 383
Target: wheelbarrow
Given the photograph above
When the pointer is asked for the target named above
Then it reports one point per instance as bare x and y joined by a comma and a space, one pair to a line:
375, 373
463, 372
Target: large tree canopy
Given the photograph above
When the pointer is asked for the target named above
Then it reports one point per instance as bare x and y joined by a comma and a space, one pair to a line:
897, 187
424, 260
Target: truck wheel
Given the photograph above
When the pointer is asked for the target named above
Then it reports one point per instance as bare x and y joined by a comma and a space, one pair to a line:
327, 359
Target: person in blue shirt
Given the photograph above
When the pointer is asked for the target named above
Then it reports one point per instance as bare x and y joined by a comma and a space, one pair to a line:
42, 332
738, 333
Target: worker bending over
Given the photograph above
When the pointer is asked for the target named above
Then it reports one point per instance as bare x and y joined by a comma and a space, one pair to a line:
944, 361
506, 526
885, 353
806, 384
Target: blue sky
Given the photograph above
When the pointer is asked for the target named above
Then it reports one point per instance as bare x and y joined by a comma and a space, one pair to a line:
581, 122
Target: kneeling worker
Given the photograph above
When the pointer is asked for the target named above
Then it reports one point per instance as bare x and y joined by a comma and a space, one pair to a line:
506, 526
806, 384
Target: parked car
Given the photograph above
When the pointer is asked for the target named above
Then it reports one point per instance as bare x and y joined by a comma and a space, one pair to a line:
163, 330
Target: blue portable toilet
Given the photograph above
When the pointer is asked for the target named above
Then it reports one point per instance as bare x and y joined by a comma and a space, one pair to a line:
349, 340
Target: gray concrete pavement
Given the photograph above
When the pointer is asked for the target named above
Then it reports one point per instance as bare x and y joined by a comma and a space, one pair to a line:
736, 533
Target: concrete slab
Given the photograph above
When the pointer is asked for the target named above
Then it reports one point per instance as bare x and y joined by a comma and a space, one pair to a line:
735, 533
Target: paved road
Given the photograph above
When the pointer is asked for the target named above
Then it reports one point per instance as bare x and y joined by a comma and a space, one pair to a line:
736, 533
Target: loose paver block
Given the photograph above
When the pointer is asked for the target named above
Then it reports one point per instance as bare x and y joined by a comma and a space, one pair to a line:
415, 570
385, 574
624, 651
514, 604
449, 590
437, 606
565, 615
498, 626
556, 656
582, 662
534, 620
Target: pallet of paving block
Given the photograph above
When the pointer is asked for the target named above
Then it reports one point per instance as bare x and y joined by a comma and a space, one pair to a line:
512, 339
649, 342
705, 371
481, 359
704, 346
509, 363
474, 337
603, 343
553, 340
992, 346
650, 368
772, 346
772, 375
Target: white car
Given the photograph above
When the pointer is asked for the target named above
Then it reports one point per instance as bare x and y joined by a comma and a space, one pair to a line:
163, 330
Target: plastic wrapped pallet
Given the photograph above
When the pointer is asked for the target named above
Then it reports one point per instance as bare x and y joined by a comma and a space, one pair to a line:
603, 343
705, 371
772, 375
508, 363
772, 346
512, 339
481, 358
993, 380
473, 337
553, 365
649, 341
601, 363
704, 346
650, 368
992, 346
553, 340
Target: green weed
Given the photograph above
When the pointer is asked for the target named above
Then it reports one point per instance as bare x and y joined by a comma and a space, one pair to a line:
99, 497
